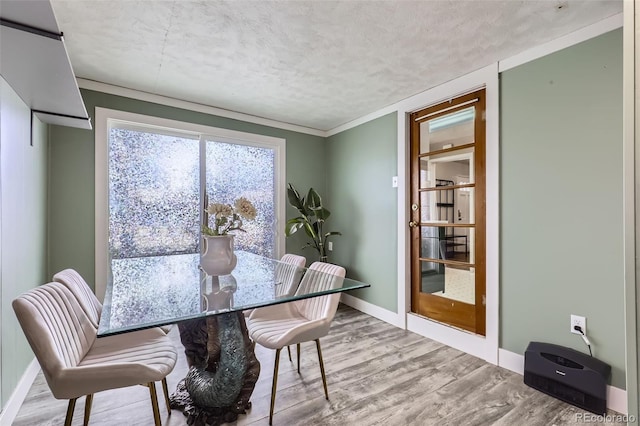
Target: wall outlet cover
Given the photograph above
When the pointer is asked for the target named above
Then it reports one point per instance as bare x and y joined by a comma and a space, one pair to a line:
579, 321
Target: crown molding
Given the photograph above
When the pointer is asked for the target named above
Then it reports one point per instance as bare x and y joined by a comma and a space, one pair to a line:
192, 106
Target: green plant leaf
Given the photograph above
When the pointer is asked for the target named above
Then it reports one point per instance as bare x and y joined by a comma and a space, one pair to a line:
321, 213
313, 200
309, 245
293, 225
294, 199
311, 232
207, 231
328, 234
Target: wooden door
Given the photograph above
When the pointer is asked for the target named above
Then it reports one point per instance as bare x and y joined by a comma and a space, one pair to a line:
448, 247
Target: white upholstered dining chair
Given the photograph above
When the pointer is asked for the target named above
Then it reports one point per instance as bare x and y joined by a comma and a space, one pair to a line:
75, 363
90, 303
288, 273
304, 320
71, 279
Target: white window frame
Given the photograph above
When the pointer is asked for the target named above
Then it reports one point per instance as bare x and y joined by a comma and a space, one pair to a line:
105, 118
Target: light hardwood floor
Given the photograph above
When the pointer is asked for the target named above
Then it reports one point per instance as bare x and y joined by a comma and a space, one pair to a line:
377, 374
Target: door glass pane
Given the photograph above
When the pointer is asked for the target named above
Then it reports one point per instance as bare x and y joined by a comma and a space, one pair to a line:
446, 131
447, 243
447, 206
234, 171
153, 194
452, 282
454, 168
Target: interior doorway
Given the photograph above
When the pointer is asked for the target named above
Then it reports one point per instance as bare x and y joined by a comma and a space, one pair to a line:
448, 212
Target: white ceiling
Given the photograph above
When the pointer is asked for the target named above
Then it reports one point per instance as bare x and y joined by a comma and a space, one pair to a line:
317, 64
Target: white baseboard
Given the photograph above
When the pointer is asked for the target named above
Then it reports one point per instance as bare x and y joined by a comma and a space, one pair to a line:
10, 410
617, 400
373, 310
456, 338
511, 361
616, 397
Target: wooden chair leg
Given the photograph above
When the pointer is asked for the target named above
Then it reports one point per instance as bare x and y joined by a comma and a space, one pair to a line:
289, 350
298, 352
165, 389
274, 385
324, 378
70, 408
87, 408
154, 403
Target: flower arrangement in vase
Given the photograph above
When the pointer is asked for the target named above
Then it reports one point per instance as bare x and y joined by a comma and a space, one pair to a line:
218, 257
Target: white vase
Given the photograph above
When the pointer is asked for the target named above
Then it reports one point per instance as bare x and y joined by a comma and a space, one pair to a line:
218, 257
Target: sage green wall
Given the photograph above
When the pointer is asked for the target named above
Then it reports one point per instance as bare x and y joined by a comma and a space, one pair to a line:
23, 232
360, 164
72, 192
561, 200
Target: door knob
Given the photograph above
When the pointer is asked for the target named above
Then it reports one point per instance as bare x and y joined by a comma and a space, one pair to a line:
413, 224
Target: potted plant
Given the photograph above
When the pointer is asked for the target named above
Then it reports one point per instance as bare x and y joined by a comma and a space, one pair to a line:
312, 217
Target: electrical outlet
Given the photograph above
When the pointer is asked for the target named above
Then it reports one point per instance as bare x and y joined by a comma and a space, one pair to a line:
579, 321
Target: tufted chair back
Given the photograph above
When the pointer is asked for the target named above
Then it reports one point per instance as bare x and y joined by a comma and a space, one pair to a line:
79, 287
289, 273
57, 328
320, 276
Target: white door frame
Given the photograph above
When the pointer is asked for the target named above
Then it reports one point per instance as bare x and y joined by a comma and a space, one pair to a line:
482, 347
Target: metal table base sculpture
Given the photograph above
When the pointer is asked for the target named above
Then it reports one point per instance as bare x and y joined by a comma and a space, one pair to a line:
223, 370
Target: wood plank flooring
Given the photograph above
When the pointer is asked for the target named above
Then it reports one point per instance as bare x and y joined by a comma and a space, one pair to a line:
377, 374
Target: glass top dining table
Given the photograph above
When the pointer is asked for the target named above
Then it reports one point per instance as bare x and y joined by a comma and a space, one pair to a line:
146, 292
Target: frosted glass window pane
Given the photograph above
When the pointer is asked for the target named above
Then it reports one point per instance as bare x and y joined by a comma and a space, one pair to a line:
153, 194
245, 171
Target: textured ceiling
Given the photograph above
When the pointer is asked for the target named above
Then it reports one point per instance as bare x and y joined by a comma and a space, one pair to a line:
317, 64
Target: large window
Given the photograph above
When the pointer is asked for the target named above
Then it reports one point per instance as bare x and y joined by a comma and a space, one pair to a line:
154, 193
154, 177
